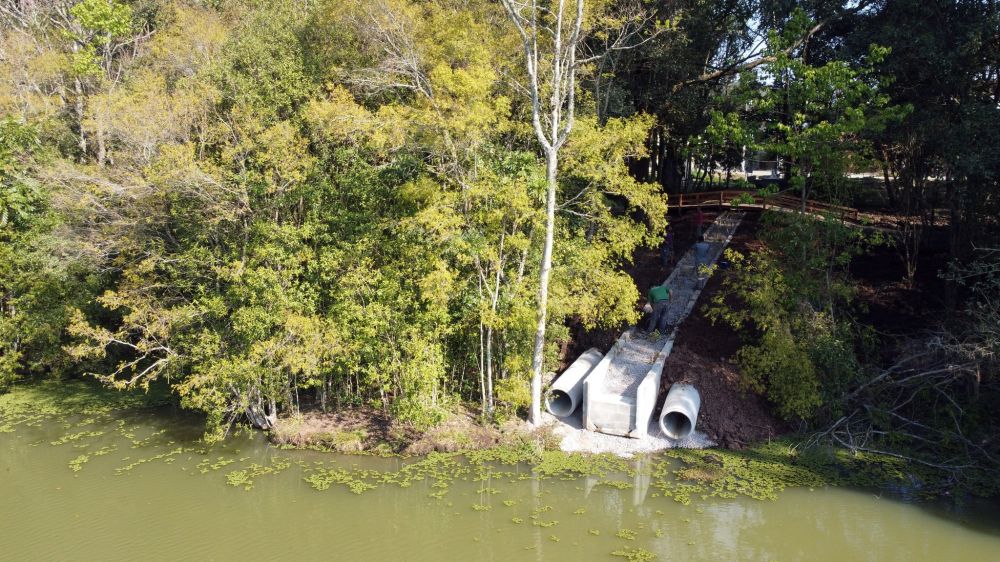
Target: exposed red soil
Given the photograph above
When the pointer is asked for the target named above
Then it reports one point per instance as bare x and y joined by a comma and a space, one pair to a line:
732, 415
729, 416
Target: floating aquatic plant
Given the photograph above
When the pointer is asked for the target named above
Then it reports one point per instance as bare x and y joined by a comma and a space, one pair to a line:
627, 534
683, 475
617, 484
76, 465
322, 479
634, 554
76, 436
161, 456
245, 477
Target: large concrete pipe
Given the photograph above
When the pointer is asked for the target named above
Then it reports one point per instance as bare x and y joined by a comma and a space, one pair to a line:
567, 392
680, 411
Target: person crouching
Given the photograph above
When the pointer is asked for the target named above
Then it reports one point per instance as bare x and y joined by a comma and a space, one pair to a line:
659, 299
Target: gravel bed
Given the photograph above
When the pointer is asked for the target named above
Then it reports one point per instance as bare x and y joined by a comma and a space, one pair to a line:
630, 365
575, 439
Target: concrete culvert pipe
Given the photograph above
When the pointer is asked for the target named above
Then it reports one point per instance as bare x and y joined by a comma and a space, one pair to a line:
567, 391
680, 411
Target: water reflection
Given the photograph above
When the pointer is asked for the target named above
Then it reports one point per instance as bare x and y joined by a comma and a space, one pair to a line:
171, 511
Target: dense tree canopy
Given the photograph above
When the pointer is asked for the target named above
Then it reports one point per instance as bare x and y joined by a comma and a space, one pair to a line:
257, 201
343, 202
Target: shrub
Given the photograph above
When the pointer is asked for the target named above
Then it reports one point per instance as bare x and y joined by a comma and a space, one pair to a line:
792, 354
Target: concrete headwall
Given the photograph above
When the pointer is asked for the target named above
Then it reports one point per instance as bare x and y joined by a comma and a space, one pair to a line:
649, 388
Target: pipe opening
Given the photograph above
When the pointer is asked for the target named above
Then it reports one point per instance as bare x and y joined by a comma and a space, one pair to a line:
559, 403
676, 425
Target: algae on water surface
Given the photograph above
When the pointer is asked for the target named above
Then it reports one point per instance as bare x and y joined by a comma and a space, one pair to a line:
87, 412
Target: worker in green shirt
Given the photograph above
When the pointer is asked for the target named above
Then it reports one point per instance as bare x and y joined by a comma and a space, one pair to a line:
659, 299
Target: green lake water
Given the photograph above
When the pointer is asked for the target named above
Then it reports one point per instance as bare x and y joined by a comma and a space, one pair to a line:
181, 506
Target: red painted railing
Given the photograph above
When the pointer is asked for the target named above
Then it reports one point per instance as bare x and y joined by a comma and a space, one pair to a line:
746, 199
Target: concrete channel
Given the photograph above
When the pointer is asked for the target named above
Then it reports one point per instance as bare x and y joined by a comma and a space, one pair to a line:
618, 390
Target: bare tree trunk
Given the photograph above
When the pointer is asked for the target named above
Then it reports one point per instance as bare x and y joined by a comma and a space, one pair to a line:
489, 370
102, 152
482, 369
272, 414
537, 360
890, 191
954, 242
322, 394
82, 141
688, 173
552, 120
262, 416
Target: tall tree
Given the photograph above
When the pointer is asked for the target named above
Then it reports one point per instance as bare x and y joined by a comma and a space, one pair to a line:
553, 37
550, 39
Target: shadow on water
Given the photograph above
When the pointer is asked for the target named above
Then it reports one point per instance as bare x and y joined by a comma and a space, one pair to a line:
175, 423
972, 512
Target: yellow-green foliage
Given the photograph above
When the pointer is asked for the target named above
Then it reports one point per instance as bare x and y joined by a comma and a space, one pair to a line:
783, 334
341, 200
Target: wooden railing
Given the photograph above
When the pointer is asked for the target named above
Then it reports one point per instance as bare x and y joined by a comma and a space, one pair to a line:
747, 199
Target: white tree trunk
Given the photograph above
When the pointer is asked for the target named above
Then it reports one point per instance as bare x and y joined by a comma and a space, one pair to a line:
538, 359
78, 106
560, 109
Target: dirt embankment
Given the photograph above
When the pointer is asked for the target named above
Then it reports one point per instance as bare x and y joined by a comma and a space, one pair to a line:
730, 415
373, 431
702, 354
